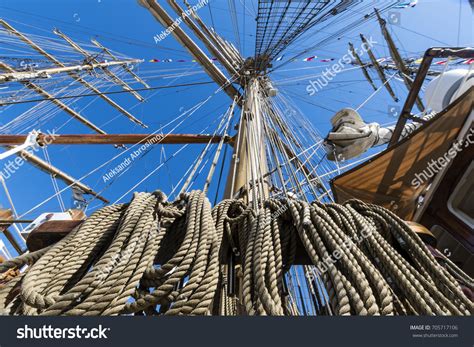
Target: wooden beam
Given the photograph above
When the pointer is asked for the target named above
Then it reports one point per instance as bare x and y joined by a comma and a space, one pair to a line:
111, 139
232, 57
50, 232
9, 222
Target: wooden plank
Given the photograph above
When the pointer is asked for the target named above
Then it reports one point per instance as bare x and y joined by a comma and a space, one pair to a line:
49, 233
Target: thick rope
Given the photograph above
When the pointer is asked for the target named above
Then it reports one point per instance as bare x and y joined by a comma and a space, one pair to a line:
153, 257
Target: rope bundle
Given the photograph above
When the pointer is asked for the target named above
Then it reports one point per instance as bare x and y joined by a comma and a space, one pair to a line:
370, 261
157, 257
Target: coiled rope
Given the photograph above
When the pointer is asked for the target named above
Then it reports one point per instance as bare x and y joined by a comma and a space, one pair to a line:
153, 257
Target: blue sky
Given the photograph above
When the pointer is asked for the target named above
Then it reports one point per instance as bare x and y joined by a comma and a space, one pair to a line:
124, 26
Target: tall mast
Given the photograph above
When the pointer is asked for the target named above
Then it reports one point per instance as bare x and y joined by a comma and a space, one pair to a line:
247, 175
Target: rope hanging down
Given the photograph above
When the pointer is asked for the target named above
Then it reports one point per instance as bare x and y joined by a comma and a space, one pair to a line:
153, 257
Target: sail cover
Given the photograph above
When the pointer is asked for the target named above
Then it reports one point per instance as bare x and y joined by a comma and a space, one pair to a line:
394, 178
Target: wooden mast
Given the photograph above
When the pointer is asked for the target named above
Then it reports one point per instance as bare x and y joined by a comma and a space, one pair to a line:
249, 158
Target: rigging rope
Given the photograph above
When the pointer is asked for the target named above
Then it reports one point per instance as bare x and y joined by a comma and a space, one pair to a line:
153, 256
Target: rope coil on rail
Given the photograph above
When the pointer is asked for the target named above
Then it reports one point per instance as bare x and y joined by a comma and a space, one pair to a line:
153, 257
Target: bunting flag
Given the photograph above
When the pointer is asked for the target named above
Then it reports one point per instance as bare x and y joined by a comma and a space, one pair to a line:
177, 60
314, 58
407, 4
310, 58
458, 62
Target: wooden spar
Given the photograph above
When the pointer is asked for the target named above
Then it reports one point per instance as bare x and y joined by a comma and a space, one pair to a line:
46, 73
379, 69
57, 173
227, 48
79, 79
125, 66
60, 104
162, 16
19, 221
210, 46
397, 58
232, 54
109, 73
110, 139
362, 66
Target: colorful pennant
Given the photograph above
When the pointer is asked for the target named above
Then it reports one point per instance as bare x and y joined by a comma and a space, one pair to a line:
310, 58
407, 4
